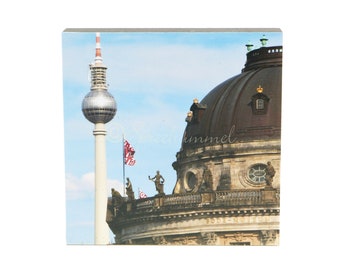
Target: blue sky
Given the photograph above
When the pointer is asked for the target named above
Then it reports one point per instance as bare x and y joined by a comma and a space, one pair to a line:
154, 77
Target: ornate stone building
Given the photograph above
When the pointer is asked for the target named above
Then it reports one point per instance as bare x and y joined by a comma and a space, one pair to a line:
228, 168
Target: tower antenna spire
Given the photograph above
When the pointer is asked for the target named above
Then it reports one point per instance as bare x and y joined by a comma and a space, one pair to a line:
98, 69
98, 57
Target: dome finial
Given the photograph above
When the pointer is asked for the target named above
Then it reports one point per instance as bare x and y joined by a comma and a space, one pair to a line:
259, 89
264, 40
249, 46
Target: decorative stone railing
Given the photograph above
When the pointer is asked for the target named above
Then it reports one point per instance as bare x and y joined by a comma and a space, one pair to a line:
189, 199
244, 197
264, 56
231, 198
264, 51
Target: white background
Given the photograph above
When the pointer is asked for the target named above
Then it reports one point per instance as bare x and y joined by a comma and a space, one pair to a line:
32, 197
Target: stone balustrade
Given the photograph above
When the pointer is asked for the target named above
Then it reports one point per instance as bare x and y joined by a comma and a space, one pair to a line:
228, 198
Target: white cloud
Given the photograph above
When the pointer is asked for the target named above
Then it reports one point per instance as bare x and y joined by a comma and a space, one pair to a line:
83, 187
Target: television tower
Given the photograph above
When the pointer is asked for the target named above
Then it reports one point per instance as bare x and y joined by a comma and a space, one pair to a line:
99, 107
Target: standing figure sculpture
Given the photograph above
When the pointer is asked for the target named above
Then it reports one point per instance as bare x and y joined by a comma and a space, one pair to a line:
117, 200
129, 191
270, 172
159, 182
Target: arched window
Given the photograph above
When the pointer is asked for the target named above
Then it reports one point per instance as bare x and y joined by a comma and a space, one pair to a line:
259, 104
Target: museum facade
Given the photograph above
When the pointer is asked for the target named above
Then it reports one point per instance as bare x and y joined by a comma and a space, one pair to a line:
228, 168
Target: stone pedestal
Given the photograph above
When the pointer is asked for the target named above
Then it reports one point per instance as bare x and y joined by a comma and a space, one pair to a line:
269, 195
158, 201
128, 206
207, 198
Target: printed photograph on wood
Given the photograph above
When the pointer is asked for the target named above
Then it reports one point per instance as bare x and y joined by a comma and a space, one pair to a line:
172, 136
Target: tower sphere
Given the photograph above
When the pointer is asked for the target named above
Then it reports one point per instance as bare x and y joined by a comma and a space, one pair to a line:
99, 106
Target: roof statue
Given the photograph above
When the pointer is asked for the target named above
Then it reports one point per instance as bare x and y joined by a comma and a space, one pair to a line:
270, 172
159, 182
129, 191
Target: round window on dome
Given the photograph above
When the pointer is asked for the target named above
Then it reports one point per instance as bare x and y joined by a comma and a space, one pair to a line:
257, 173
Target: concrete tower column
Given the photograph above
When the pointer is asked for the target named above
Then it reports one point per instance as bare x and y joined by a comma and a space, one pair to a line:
101, 228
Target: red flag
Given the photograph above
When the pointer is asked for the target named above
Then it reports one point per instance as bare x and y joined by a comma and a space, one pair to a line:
142, 194
128, 154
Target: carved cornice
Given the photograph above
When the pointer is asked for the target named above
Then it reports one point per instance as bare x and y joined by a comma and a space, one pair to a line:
220, 151
189, 213
250, 237
194, 214
191, 206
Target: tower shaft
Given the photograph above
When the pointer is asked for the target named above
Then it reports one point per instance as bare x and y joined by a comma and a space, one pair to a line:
99, 107
101, 228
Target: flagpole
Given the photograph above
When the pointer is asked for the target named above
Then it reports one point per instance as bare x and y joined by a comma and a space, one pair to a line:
123, 166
